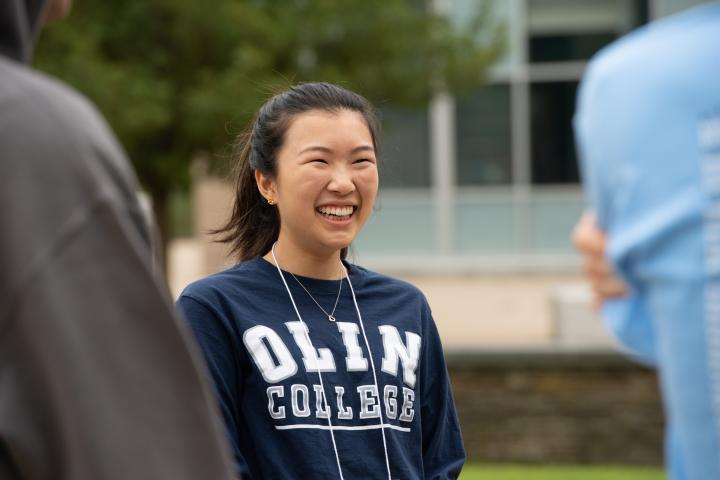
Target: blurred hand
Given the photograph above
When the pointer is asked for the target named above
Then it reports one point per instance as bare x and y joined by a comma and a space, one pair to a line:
591, 242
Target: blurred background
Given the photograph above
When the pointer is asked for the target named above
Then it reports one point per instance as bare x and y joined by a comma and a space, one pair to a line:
479, 179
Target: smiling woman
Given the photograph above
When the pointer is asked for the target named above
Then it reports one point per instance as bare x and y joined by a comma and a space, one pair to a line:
323, 369
324, 187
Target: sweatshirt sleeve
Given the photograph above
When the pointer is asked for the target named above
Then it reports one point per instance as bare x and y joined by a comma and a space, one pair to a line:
442, 446
214, 336
98, 378
609, 184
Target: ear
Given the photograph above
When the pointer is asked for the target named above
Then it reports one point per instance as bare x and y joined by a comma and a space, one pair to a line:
266, 185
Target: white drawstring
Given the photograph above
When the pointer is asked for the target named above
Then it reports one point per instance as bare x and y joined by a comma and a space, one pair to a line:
307, 336
372, 365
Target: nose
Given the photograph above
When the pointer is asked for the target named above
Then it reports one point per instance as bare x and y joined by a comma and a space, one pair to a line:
341, 181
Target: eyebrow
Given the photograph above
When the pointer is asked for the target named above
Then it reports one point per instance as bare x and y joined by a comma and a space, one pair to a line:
361, 148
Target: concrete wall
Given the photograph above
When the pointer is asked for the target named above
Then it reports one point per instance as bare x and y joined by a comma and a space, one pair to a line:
557, 408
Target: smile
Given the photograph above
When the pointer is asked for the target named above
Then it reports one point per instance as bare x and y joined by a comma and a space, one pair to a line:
336, 212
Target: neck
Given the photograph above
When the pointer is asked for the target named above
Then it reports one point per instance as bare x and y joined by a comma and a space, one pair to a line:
307, 264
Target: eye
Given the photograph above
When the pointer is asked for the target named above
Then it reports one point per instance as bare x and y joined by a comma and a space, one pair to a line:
318, 160
362, 160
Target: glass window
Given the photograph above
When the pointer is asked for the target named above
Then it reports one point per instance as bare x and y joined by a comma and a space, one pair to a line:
482, 130
405, 151
559, 30
552, 106
485, 223
552, 218
401, 224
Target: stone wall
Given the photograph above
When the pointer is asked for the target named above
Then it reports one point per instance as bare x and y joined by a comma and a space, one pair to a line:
557, 408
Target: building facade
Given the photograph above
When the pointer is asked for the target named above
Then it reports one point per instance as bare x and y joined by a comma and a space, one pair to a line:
489, 179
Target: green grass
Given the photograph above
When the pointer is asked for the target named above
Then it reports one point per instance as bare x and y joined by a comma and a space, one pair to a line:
550, 472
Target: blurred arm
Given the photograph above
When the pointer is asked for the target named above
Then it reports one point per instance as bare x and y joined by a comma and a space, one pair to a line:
591, 243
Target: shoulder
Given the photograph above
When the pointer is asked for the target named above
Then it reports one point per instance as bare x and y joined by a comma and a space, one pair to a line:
654, 50
54, 127
663, 72
241, 280
209, 288
49, 109
379, 283
61, 170
391, 301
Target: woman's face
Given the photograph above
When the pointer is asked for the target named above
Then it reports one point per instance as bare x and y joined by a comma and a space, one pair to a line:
327, 180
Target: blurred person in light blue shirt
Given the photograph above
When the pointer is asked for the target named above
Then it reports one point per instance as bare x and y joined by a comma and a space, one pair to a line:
648, 131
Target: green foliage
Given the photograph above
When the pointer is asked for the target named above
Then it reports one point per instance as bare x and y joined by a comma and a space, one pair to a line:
178, 76
549, 472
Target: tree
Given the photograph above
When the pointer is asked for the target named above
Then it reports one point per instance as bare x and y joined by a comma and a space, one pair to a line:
179, 76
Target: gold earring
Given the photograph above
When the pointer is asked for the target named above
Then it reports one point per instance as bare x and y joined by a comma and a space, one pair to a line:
270, 201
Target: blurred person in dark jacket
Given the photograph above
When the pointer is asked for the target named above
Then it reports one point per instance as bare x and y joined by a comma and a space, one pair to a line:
97, 378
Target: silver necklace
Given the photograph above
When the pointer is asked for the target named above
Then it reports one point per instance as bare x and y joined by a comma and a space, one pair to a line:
331, 315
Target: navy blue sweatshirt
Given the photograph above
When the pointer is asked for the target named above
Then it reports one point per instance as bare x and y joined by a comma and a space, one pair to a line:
285, 421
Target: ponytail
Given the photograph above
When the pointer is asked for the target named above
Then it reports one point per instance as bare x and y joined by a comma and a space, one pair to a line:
254, 224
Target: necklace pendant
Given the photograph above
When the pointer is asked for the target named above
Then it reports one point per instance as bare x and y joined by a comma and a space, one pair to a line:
331, 318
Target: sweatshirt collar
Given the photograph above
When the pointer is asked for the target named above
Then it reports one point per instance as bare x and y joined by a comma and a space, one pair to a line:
314, 285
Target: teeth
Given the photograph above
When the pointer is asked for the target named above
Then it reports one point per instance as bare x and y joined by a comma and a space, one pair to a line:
336, 211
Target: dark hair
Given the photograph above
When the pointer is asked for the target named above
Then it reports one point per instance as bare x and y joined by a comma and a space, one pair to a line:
254, 224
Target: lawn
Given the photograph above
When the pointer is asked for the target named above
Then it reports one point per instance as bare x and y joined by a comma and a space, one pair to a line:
550, 472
